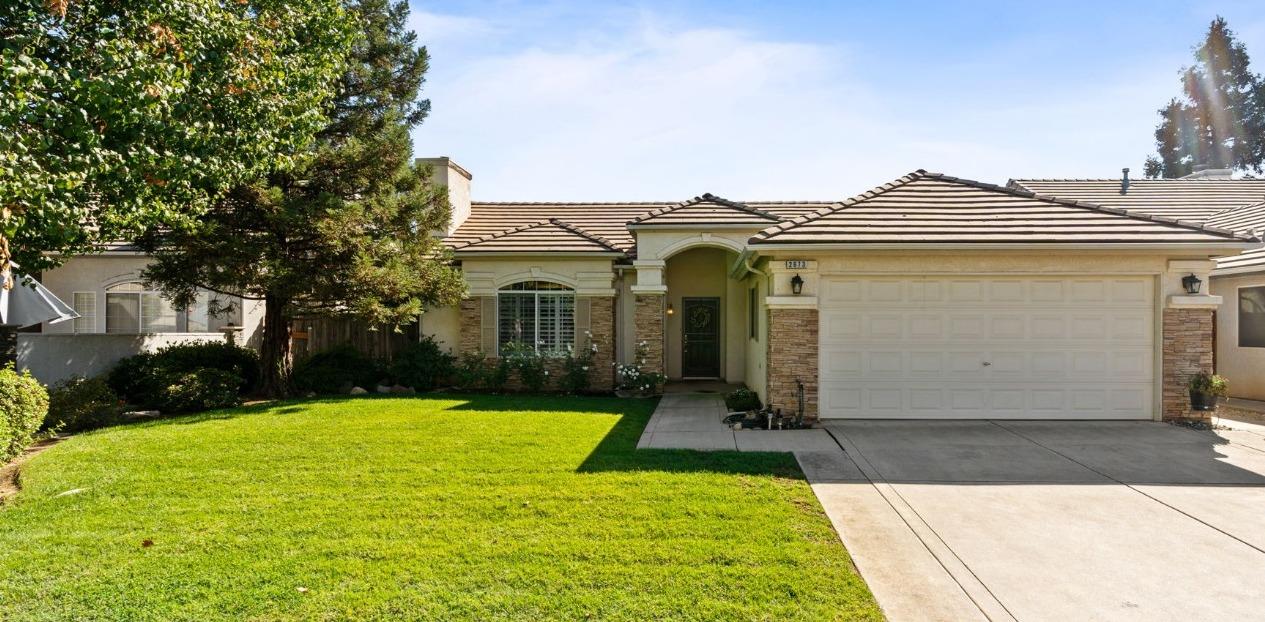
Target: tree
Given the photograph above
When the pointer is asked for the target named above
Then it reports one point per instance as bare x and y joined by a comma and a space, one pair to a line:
349, 230
116, 115
1219, 121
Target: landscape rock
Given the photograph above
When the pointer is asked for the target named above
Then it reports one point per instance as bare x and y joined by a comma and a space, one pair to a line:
403, 390
383, 389
357, 391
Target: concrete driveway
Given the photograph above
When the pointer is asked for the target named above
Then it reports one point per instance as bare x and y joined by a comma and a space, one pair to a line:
1050, 520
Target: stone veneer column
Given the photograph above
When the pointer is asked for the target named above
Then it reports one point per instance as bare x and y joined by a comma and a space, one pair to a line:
648, 319
1187, 350
472, 325
602, 325
792, 356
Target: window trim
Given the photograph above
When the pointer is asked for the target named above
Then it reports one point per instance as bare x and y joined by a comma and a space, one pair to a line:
563, 291
753, 310
1238, 315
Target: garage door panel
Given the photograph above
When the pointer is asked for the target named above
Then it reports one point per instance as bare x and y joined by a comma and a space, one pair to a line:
1002, 347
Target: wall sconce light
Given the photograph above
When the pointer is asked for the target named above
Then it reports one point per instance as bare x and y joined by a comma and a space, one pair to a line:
797, 284
1192, 284
670, 309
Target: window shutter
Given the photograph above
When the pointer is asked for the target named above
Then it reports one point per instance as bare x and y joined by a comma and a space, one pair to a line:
583, 319
488, 326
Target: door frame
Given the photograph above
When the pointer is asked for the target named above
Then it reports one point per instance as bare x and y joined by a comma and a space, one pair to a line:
720, 341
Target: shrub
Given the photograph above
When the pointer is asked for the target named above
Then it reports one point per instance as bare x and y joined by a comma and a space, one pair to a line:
471, 370
136, 379
742, 399
576, 364
187, 357
529, 364
78, 405
337, 370
422, 365
201, 389
632, 377
496, 377
1204, 383
143, 379
23, 405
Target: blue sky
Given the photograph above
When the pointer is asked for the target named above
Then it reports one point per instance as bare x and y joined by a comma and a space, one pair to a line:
792, 100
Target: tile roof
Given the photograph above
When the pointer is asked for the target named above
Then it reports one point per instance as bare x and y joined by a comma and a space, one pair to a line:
927, 207
1185, 199
551, 235
708, 209
1247, 261
1244, 219
608, 220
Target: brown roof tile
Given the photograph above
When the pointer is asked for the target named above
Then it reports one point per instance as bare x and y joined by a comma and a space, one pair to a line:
707, 209
1185, 199
551, 235
927, 207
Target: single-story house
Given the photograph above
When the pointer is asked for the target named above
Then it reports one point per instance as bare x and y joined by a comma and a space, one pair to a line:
1211, 197
927, 297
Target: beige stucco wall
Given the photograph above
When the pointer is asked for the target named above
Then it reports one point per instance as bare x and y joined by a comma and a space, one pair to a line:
625, 313
94, 273
590, 276
444, 325
1243, 367
702, 272
755, 374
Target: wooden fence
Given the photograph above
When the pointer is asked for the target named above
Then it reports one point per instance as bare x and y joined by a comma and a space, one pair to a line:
316, 334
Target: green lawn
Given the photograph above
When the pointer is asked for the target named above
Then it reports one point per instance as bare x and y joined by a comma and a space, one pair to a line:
435, 508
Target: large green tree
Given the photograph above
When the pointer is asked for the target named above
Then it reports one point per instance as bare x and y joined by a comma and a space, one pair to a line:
347, 231
116, 115
1219, 121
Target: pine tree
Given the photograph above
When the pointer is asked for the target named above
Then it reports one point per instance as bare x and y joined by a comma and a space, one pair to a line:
347, 232
1219, 121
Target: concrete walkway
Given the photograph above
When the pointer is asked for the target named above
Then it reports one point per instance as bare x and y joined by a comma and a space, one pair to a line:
1003, 520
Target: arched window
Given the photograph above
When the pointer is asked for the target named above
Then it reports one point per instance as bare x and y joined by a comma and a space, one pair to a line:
536, 313
130, 308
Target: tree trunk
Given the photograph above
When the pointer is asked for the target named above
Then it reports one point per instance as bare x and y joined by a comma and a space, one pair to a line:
275, 358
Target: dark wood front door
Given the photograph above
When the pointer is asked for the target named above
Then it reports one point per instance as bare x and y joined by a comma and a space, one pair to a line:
700, 337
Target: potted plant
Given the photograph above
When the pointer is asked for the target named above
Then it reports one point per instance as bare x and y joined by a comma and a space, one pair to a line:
1205, 388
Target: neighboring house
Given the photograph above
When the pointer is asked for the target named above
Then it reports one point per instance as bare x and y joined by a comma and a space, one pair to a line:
1213, 198
119, 317
927, 297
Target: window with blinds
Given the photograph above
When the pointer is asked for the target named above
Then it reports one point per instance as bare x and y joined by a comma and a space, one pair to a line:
85, 304
536, 313
130, 308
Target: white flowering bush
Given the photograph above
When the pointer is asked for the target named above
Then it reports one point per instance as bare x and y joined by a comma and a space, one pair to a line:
529, 364
633, 377
576, 363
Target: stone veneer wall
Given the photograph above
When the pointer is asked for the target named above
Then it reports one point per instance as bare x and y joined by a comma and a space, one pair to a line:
648, 319
602, 325
792, 355
1187, 349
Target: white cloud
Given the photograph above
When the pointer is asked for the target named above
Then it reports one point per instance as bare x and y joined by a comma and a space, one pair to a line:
655, 112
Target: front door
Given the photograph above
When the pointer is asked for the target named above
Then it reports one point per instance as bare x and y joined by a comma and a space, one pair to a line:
700, 337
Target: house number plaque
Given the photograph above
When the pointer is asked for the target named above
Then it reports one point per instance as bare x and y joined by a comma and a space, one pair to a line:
796, 264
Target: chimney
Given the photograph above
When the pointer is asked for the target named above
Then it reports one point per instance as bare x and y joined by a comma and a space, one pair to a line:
1201, 171
447, 173
1124, 181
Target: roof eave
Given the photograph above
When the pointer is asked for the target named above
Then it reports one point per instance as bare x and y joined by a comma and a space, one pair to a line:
650, 225
485, 253
1209, 247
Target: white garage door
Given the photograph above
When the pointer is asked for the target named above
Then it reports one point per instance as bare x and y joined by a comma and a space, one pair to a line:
987, 347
